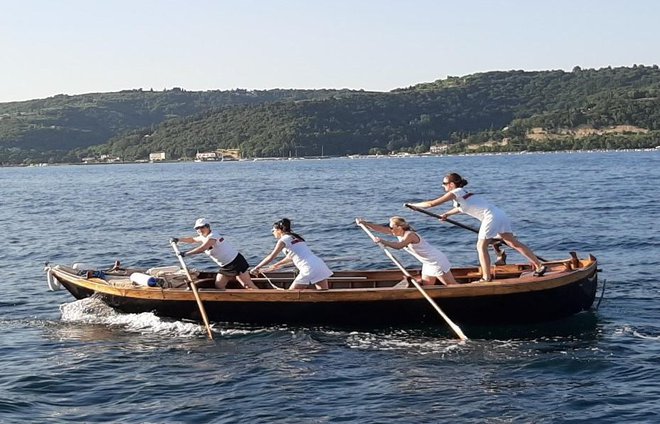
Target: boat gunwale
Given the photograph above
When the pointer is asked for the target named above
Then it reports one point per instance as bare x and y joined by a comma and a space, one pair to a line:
506, 286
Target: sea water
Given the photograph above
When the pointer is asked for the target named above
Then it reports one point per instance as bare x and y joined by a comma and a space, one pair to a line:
80, 361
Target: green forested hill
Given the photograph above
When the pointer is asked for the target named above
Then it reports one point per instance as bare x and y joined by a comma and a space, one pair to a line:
457, 111
353, 124
513, 110
62, 123
598, 97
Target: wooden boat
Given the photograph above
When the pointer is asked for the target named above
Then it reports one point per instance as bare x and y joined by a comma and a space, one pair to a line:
355, 298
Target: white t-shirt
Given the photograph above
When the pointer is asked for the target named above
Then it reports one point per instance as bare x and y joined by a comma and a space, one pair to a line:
493, 220
221, 252
434, 262
312, 268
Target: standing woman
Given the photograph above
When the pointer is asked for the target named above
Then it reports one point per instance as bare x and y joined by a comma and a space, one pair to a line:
435, 264
312, 270
494, 222
232, 264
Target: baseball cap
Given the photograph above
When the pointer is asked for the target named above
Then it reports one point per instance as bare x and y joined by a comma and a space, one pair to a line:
201, 222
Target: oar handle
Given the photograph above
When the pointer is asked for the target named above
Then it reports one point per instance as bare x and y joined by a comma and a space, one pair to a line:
451, 324
193, 287
387, 252
435, 215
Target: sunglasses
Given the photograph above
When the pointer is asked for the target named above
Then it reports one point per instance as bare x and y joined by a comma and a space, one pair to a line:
446, 182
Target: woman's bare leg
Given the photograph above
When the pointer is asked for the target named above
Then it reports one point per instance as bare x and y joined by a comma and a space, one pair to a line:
484, 258
447, 279
322, 285
428, 280
221, 281
246, 280
516, 244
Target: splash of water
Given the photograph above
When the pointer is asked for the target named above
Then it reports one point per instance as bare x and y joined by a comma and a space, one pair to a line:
93, 311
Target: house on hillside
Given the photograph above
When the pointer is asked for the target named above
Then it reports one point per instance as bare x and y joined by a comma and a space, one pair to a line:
229, 154
154, 157
109, 159
206, 156
439, 148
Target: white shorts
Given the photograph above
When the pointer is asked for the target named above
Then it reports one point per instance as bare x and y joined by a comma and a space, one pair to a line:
306, 279
437, 269
494, 224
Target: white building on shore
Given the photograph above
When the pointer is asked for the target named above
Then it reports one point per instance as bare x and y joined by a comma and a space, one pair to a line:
439, 148
203, 156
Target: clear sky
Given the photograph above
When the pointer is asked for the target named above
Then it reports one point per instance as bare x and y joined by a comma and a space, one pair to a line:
50, 47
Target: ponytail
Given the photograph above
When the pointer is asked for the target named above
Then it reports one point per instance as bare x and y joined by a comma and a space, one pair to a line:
457, 179
284, 225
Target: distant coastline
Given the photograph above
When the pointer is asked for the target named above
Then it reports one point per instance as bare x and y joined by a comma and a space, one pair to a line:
353, 157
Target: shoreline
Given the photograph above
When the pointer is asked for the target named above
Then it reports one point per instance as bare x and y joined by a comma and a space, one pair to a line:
353, 157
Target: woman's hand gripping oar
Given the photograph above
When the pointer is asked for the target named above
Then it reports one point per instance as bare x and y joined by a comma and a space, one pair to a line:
453, 326
193, 287
497, 243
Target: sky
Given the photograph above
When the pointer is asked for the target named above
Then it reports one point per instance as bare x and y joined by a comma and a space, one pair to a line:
50, 47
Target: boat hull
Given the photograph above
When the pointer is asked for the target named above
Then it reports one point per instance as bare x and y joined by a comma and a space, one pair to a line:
501, 302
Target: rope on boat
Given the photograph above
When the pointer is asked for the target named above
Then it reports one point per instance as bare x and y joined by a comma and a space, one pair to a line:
270, 282
602, 293
53, 283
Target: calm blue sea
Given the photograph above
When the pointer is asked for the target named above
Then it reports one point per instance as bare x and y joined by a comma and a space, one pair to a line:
79, 361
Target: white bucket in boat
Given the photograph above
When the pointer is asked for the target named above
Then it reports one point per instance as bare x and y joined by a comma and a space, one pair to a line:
83, 266
143, 279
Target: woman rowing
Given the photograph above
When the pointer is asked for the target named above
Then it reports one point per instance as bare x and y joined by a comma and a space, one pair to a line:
494, 222
313, 272
435, 265
231, 262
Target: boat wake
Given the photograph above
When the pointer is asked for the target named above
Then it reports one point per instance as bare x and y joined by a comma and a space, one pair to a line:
628, 330
644, 336
94, 311
403, 341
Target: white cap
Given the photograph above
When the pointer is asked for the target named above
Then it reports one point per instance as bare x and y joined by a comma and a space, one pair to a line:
201, 222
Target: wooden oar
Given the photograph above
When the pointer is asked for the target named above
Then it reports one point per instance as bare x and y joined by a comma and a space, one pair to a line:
453, 326
435, 215
193, 287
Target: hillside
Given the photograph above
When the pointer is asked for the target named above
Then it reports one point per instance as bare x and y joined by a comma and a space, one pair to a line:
460, 112
492, 111
62, 123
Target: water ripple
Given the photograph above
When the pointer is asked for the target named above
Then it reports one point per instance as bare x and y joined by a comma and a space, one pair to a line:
80, 361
